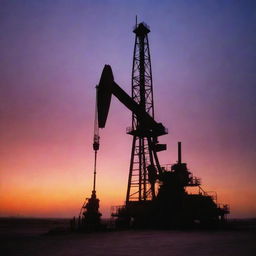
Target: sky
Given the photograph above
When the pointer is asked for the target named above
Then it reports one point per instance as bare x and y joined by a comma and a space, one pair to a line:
52, 53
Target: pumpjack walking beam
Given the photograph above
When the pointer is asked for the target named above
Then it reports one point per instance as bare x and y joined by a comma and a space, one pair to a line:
148, 128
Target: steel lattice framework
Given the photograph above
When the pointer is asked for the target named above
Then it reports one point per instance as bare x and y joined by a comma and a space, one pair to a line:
142, 154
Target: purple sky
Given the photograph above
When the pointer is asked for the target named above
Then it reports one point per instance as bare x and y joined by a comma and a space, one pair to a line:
52, 54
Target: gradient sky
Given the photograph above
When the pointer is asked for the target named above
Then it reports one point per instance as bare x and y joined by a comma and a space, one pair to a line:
52, 54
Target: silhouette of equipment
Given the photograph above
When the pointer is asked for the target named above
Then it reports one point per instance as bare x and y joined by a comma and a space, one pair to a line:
156, 196
90, 217
106, 88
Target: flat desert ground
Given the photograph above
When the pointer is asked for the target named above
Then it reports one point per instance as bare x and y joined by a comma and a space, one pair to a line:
29, 237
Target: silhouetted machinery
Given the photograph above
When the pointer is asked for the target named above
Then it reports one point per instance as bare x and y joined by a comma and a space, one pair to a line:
90, 217
156, 196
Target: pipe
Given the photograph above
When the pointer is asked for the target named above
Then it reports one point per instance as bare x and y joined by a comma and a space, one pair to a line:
179, 152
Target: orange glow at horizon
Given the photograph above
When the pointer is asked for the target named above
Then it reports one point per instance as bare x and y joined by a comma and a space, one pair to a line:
62, 194
34, 202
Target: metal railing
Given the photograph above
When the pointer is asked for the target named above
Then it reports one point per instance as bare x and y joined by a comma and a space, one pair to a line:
146, 25
195, 181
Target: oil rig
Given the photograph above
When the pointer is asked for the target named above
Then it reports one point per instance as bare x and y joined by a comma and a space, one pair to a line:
157, 196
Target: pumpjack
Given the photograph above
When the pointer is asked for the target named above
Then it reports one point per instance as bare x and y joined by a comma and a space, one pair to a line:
172, 206
156, 196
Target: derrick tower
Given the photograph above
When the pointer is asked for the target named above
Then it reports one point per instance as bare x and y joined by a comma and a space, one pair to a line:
172, 206
144, 161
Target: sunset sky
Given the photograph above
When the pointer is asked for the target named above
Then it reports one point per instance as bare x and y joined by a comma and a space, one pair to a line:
51, 57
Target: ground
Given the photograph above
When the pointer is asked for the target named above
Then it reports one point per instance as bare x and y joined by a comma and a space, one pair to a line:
31, 239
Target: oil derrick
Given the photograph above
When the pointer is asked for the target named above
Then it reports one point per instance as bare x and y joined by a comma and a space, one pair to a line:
144, 161
171, 205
